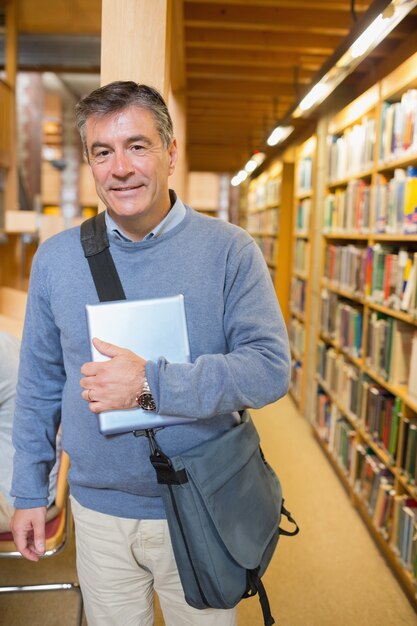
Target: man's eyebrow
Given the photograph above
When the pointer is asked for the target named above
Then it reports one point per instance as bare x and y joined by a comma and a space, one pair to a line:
98, 144
140, 139
133, 139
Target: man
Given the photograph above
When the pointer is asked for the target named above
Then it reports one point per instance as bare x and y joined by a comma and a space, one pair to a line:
9, 364
239, 358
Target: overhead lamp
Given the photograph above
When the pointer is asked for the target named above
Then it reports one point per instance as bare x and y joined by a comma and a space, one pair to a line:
255, 161
239, 178
279, 134
317, 94
347, 61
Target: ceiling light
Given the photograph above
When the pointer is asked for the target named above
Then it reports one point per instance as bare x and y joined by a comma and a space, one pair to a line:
239, 178
349, 59
368, 37
279, 134
255, 161
317, 94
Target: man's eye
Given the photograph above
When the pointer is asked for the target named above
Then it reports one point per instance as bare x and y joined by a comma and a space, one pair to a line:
102, 153
137, 147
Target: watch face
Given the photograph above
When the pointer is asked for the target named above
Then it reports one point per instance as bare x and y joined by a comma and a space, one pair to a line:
147, 402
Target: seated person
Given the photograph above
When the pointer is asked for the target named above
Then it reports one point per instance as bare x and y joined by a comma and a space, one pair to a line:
9, 363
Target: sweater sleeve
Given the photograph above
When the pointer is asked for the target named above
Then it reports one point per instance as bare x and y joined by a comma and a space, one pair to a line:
38, 399
254, 371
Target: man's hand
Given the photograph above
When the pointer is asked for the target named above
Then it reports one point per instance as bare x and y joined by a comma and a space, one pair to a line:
28, 528
114, 384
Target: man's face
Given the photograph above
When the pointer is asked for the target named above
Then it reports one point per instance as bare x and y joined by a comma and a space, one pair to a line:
130, 165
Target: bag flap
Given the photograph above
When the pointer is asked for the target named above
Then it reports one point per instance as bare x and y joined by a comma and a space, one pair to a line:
239, 490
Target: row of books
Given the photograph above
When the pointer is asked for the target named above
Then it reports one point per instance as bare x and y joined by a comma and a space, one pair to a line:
304, 175
296, 378
265, 193
302, 223
385, 423
387, 426
385, 274
353, 152
297, 335
404, 532
301, 255
322, 414
348, 209
380, 416
345, 267
335, 430
339, 375
393, 514
298, 295
375, 409
389, 348
396, 202
391, 274
399, 127
263, 221
268, 246
341, 322
372, 480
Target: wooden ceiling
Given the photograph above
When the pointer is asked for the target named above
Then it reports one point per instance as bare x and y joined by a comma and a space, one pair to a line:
248, 62
245, 62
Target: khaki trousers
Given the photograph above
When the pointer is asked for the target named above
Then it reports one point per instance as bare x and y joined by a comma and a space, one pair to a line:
121, 562
6, 512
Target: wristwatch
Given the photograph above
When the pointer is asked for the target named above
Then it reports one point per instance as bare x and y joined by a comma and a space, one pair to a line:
145, 399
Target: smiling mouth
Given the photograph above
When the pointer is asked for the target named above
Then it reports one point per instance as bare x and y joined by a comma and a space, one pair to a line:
126, 188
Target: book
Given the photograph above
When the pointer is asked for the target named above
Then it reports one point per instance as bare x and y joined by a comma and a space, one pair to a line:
410, 201
411, 451
412, 378
402, 335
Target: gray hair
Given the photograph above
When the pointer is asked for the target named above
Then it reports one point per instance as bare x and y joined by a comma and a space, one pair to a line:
119, 95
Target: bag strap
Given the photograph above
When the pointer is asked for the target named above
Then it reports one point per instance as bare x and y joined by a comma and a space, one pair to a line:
287, 514
255, 586
95, 243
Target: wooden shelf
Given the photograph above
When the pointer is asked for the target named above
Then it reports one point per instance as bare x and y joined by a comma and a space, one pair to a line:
342, 182
369, 106
267, 216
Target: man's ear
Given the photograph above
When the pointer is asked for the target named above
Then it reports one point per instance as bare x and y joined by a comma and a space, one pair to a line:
173, 156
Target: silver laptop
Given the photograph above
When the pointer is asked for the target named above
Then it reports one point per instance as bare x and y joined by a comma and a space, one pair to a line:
151, 329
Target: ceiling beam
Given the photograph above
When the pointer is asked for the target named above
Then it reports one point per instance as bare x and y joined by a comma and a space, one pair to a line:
177, 67
252, 40
70, 17
254, 58
334, 5
268, 18
266, 88
285, 75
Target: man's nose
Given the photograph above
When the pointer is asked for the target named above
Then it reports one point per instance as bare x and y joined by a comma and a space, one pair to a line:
122, 165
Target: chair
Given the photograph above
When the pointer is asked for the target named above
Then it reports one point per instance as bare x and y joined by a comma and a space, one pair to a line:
57, 535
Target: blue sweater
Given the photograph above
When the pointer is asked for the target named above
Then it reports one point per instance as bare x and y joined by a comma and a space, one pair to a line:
239, 359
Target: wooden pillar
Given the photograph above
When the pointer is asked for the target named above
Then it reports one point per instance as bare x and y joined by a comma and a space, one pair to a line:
179, 179
177, 100
136, 45
11, 187
135, 42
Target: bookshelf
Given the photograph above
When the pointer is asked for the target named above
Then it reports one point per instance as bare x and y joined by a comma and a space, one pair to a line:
365, 414
269, 221
299, 323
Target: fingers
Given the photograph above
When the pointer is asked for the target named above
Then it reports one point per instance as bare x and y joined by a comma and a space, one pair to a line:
108, 349
28, 528
93, 404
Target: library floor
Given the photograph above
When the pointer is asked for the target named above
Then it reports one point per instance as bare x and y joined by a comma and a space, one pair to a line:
332, 574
